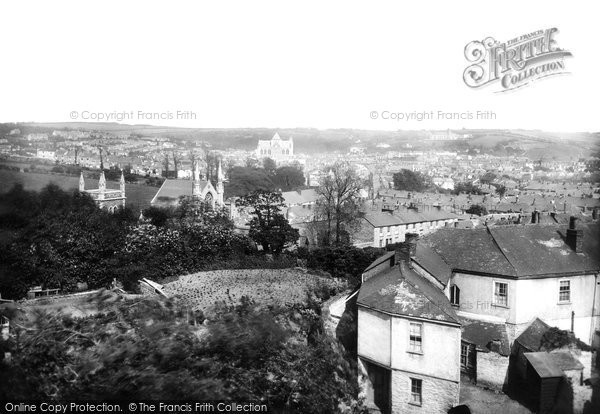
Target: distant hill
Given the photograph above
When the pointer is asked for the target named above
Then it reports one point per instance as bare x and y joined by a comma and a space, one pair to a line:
535, 143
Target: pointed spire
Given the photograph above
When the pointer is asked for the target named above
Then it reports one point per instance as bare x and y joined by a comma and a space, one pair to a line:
81, 182
220, 189
102, 182
196, 186
219, 171
122, 184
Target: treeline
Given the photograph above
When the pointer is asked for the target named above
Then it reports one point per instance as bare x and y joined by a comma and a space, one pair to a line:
59, 239
266, 177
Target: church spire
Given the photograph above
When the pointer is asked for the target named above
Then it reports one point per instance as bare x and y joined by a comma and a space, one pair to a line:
102, 182
122, 184
101, 186
196, 188
220, 188
81, 182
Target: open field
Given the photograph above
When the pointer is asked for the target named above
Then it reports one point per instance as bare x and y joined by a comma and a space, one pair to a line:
284, 287
138, 195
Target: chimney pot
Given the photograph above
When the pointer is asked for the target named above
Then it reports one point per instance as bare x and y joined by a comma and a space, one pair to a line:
572, 221
574, 236
407, 250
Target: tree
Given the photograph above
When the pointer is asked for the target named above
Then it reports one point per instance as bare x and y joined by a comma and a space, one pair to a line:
245, 180
288, 178
269, 165
337, 207
408, 180
269, 228
166, 166
477, 209
487, 178
175, 162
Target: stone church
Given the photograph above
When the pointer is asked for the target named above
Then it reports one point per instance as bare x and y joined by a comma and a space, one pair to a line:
200, 188
107, 199
277, 149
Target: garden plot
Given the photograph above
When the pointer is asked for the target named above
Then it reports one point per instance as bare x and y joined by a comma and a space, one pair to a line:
283, 287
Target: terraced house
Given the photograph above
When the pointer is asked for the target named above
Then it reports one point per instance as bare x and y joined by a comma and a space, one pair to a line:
378, 229
456, 300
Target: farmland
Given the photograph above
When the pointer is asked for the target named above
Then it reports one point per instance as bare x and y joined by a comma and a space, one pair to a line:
138, 195
282, 287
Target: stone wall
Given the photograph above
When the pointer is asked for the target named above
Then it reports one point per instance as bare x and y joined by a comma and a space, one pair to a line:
492, 369
437, 395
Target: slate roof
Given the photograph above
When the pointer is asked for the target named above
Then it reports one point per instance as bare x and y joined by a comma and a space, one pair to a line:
433, 263
516, 250
401, 291
553, 364
382, 219
379, 219
380, 260
482, 333
531, 338
171, 190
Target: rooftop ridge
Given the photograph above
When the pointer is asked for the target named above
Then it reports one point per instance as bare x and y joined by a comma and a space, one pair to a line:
502, 251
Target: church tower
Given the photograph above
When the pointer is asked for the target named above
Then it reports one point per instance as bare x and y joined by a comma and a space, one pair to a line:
220, 188
81, 183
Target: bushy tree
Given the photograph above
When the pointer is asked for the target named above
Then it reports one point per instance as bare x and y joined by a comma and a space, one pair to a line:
269, 228
288, 178
153, 348
411, 181
477, 209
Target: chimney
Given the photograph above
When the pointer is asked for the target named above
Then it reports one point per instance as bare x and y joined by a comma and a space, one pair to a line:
405, 251
574, 236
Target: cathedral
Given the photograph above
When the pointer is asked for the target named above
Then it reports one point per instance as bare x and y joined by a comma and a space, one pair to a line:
107, 199
200, 189
277, 149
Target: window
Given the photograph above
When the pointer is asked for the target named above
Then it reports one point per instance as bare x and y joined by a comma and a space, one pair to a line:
501, 293
416, 387
454, 295
415, 343
564, 291
464, 352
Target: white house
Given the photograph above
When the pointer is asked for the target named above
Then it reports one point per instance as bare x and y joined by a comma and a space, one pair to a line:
408, 339
378, 229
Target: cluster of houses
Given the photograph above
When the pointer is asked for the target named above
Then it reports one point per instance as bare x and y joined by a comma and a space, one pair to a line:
512, 308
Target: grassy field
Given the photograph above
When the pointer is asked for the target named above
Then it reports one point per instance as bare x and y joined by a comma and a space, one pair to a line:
138, 195
283, 287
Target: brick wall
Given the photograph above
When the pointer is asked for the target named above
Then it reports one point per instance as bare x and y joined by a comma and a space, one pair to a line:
437, 395
492, 369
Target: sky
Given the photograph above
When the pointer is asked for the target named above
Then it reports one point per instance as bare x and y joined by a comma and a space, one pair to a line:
282, 64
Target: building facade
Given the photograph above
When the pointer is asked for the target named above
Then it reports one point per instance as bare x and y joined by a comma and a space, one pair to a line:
277, 149
408, 340
199, 189
106, 199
